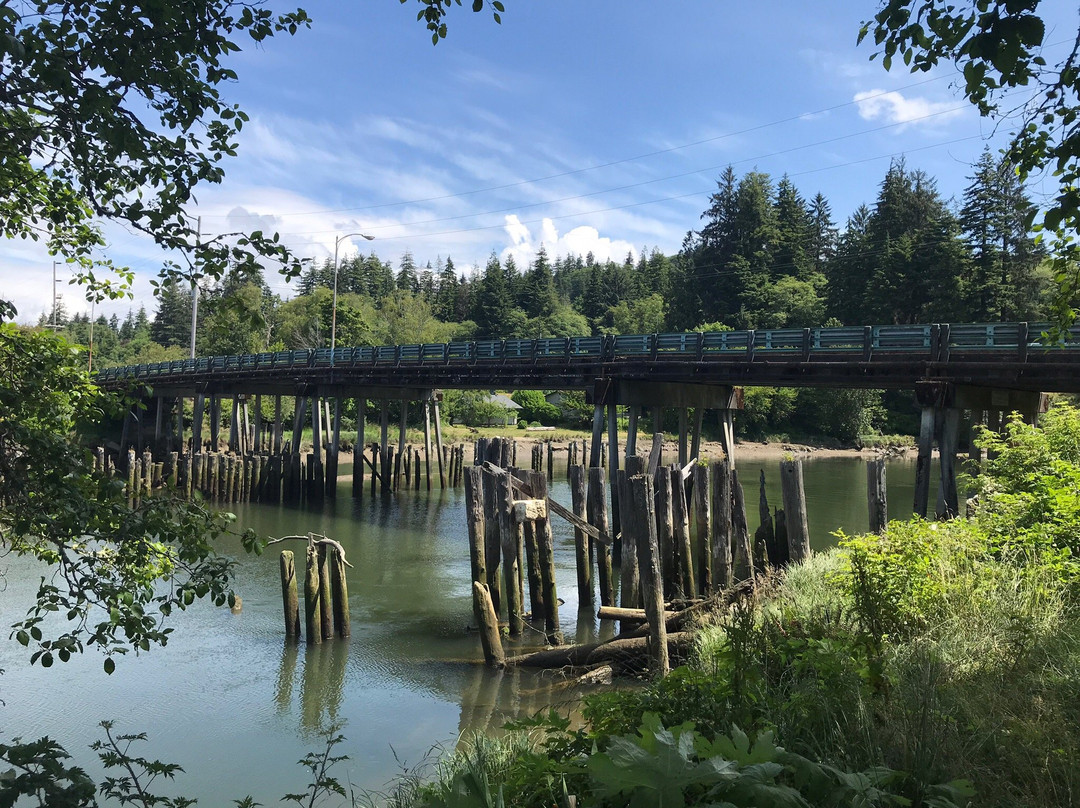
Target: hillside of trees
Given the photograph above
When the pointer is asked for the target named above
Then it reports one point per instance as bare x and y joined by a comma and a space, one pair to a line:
765, 255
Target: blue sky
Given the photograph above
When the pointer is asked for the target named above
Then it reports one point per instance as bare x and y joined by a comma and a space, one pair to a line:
595, 125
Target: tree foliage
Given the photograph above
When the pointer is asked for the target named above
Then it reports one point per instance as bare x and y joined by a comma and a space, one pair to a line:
114, 111
104, 561
997, 45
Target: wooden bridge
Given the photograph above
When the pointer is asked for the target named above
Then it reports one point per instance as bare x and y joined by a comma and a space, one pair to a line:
984, 369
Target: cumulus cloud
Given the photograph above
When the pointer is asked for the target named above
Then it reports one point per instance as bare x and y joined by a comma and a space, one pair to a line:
579, 241
893, 107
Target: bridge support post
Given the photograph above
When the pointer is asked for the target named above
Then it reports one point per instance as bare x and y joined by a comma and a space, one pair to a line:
427, 442
215, 422
358, 449
438, 440
922, 461
198, 406
695, 438
683, 428
400, 458
384, 446
631, 430
257, 427
597, 435
332, 455
159, 422
316, 484
613, 478
234, 425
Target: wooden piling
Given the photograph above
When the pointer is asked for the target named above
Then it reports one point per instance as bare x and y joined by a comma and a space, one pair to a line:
582, 542
289, 597
680, 523
876, 500
922, 461
312, 592
669, 569
948, 497
490, 638
339, 593
702, 521
492, 540
742, 564
508, 534
532, 567
596, 506
326, 610
767, 549
794, 498
474, 520
629, 577
644, 531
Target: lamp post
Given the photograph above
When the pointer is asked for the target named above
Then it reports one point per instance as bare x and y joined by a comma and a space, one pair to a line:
333, 308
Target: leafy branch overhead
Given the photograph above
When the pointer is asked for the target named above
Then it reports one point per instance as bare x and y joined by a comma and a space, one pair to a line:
998, 46
113, 111
434, 12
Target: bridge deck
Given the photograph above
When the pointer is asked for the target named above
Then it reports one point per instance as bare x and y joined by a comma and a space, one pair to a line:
1002, 355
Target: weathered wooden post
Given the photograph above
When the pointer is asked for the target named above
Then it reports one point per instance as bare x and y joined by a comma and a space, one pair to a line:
742, 568
765, 537
326, 609
669, 569
582, 542
720, 472
702, 518
492, 540
596, 505
680, 523
474, 520
794, 498
546, 560
340, 593
876, 500
289, 597
948, 497
923, 461
490, 638
312, 592
629, 577
508, 534
643, 531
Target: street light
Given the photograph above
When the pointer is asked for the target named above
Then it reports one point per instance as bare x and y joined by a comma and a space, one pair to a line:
333, 311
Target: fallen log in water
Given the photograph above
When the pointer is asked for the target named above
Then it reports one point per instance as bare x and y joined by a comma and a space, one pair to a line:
618, 651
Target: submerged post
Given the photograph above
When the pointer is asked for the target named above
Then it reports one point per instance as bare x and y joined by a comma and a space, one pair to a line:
876, 500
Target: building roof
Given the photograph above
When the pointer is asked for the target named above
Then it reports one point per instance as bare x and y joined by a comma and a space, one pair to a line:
503, 401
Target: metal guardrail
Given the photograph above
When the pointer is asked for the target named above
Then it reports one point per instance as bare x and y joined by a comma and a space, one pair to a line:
936, 343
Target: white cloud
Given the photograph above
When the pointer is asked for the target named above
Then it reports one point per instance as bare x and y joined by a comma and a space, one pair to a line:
893, 107
578, 241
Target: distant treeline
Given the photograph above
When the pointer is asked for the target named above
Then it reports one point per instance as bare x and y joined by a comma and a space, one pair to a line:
764, 257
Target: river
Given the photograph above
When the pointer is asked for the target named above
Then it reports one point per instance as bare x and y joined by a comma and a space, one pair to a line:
237, 707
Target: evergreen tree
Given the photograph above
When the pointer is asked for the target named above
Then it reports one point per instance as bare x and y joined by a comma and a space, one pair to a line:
446, 297
1000, 283
172, 320
822, 236
492, 304
537, 295
792, 254
846, 274
407, 279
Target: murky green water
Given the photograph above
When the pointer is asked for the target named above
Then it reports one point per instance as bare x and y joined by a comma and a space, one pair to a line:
237, 707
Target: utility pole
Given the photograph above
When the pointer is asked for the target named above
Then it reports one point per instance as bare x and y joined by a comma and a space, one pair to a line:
195, 285
55, 326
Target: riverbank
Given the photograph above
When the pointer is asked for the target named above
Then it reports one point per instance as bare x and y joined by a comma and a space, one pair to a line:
711, 450
934, 665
